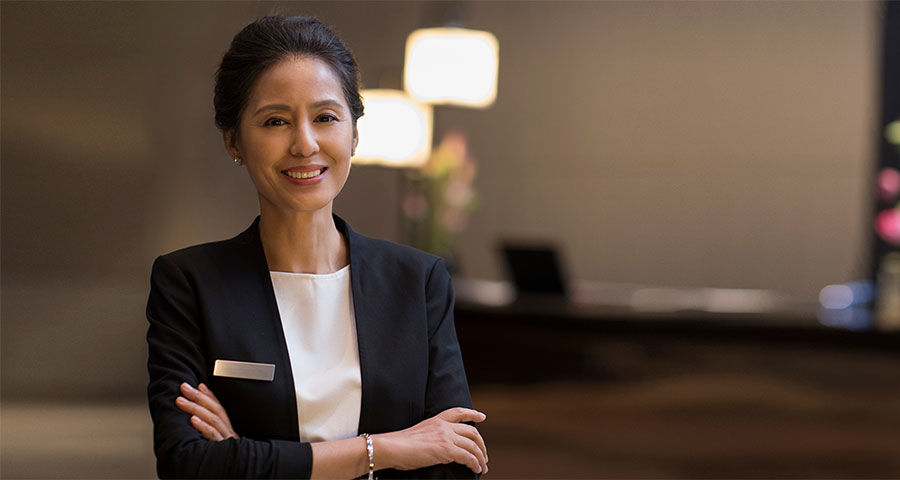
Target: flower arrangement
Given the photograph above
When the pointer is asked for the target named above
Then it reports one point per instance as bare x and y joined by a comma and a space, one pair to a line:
439, 197
887, 222
887, 227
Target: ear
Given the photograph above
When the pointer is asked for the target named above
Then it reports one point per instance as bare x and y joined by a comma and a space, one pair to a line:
355, 137
231, 143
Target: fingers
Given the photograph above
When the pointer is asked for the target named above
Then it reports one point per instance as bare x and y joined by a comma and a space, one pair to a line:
206, 429
204, 398
460, 414
203, 388
472, 434
468, 439
199, 411
474, 450
465, 457
206, 409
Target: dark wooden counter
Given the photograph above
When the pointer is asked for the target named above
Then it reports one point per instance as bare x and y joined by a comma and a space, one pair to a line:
547, 338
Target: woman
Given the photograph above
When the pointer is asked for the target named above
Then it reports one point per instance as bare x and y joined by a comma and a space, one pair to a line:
308, 333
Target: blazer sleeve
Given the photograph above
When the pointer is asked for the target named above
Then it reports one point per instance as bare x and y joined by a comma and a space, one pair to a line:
447, 386
176, 354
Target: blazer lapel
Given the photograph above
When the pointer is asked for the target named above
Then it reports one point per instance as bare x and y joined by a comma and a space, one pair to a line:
261, 317
363, 312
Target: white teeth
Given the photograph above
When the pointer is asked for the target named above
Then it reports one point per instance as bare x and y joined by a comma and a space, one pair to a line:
314, 173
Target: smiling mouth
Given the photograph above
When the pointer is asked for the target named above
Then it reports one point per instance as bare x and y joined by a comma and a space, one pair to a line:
304, 175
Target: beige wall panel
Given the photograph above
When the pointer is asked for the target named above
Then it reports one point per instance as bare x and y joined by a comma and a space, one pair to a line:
678, 143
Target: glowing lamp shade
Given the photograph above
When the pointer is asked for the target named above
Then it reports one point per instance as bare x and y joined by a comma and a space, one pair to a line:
454, 66
395, 130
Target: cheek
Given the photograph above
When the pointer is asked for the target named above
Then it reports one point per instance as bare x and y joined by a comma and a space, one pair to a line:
342, 170
261, 148
341, 146
260, 181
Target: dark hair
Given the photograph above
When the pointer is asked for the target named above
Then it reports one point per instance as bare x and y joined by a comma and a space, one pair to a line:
264, 43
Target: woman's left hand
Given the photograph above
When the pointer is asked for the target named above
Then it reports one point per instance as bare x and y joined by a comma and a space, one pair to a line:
208, 416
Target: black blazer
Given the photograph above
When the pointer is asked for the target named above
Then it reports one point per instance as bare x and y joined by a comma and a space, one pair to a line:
216, 301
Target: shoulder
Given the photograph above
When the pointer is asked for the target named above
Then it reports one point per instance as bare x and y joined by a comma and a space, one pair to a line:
385, 251
214, 254
391, 258
199, 253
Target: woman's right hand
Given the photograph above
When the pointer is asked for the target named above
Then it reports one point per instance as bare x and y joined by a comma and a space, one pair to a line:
208, 416
438, 440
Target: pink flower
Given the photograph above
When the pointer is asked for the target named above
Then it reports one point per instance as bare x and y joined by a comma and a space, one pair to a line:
887, 224
888, 188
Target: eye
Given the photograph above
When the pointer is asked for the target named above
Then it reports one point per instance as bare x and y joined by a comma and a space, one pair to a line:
275, 122
326, 118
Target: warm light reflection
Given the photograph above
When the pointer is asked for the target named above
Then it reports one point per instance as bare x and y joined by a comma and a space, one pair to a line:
452, 66
720, 300
395, 130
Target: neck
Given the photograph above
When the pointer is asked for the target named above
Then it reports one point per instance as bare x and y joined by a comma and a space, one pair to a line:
301, 242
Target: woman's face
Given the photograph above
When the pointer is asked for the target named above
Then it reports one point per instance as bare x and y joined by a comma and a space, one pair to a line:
296, 136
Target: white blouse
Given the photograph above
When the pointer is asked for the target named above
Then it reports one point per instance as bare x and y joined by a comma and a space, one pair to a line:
320, 331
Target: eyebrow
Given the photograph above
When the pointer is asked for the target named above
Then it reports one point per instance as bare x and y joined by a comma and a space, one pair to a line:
282, 107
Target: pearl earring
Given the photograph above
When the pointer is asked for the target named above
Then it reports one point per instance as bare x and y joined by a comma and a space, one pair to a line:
238, 161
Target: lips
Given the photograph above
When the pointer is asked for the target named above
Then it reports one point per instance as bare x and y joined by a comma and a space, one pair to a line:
310, 174
306, 172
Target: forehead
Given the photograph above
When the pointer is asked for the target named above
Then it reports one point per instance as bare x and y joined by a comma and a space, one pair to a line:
297, 81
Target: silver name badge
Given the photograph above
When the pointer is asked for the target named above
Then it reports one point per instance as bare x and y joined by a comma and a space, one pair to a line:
245, 370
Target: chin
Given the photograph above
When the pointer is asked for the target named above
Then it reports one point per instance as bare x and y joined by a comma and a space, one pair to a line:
311, 207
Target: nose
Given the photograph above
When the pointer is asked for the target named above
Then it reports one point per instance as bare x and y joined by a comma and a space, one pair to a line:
304, 144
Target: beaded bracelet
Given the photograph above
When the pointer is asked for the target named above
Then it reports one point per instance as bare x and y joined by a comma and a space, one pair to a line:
370, 449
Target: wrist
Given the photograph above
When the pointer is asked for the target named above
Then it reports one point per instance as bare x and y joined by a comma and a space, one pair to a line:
383, 451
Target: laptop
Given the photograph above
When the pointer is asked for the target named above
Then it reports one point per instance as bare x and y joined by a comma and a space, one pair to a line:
535, 270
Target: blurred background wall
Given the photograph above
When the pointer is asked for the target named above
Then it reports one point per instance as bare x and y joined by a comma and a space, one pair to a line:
676, 143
